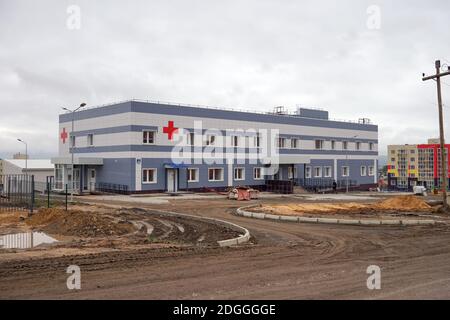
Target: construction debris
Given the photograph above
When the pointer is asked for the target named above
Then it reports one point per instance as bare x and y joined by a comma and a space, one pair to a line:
243, 194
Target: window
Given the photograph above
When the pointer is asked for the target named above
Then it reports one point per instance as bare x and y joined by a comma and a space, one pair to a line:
90, 140
215, 174
308, 172
392, 159
190, 138
319, 144
345, 171
257, 141
210, 140
148, 137
327, 173
149, 175
413, 159
363, 171
370, 146
412, 167
295, 173
257, 174
333, 145
281, 143
73, 141
344, 145
371, 171
317, 172
239, 174
294, 143
192, 175
358, 145
290, 173
234, 141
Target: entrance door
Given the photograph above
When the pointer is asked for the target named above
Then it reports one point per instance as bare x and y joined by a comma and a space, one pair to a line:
92, 179
172, 180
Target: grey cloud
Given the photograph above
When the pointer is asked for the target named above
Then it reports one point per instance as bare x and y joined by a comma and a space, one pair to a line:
252, 55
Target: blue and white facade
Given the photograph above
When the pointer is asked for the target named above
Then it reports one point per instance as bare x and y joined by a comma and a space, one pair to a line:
153, 147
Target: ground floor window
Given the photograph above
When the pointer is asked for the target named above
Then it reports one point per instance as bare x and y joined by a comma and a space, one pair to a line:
215, 174
239, 174
308, 172
149, 175
327, 173
363, 171
371, 171
345, 171
257, 174
317, 172
192, 175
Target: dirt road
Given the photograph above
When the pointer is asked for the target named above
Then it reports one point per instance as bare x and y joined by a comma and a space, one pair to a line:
285, 261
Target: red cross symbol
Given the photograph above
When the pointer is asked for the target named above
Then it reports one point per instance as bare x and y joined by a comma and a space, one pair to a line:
64, 135
170, 130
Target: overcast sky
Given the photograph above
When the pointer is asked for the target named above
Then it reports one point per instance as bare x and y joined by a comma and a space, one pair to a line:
255, 55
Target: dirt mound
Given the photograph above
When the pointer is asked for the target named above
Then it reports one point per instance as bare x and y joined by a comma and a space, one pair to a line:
77, 223
402, 203
397, 204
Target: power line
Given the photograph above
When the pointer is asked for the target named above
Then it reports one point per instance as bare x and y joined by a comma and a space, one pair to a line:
444, 172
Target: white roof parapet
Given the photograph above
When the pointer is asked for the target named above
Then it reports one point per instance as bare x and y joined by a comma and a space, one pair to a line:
78, 161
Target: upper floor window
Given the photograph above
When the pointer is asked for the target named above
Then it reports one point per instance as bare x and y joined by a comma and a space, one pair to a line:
344, 145
370, 146
90, 140
235, 141
190, 138
319, 144
333, 145
148, 137
257, 141
281, 143
294, 143
210, 140
73, 141
358, 145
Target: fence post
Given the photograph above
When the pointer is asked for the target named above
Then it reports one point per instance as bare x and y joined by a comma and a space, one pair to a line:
66, 196
32, 194
48, 194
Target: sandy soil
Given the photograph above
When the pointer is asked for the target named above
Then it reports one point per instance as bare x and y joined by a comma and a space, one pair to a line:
284, 261
386, 208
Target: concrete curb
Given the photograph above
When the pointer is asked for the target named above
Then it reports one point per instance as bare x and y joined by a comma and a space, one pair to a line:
244, 237
354, 222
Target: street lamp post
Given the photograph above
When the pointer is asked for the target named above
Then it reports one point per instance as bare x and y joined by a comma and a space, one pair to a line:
71, 146
26, 155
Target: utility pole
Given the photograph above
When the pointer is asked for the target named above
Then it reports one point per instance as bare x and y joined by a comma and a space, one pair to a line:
444, 174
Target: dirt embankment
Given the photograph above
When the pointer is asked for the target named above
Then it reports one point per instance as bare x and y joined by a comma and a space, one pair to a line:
78, 223
395, 204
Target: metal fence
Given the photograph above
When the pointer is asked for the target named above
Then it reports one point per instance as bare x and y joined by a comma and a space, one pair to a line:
280, 186
17, 192
110, 188
324, 184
